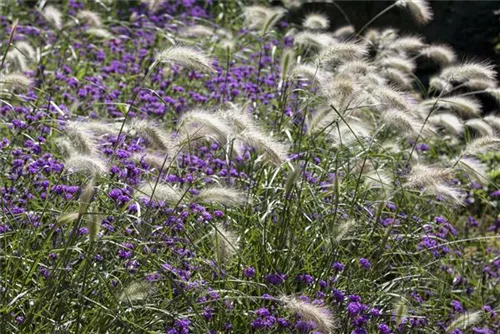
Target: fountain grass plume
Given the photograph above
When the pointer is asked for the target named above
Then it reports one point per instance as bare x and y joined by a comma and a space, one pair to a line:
187, 57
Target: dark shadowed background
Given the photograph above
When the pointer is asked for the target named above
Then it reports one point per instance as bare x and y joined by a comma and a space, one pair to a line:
470, 27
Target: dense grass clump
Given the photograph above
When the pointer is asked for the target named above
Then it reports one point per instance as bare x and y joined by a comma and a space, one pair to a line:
210, 168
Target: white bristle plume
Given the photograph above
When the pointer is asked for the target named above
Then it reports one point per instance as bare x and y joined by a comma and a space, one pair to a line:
440, 85
448, 193
91, 165
463, 321
464, 106
341, 52
136, 291
198, 31
441, 54
316, 21
419, 9
398, 78
344, 32
320, 315
99, 32
424, 175
187, 57
403, 121
449, 122
398, 63
199, 124
494, 92
313, 40
493, 121
220, 195
483, 144
480, 126
54, 16
408, 44
90, 17
393, 98
15, 81
155, 135
469, 71
226, 243
273, 150
81, 140
160, 193
26, 49
474, 168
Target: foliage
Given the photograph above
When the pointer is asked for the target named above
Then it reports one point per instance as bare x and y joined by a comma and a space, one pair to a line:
188, 167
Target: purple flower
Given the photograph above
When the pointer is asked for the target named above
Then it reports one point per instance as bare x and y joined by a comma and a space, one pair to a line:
384, 329
355, 308
304, 326
337, 266
364, 263
457, 306
275, 279
495, 194
249, 272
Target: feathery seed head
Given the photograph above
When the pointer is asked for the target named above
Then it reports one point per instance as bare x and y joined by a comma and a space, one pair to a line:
274, 151
464, 106
15, 81
407, 44
262, 18
81, 140
341, 52
160, 193
482, 144
86, 196
480, 126
25, 48
156, 136
313, 40
474, 168
468, 71
478, 84
91, 165
187, 57
356, 67
136, 291
446, 192
419, 9
99, 32
392, 98
308, 71
348, 135
220, 195
398, 78
90, 17
494, 92
449, 122
226, 243
199, 124
319, 314
316, 21
493, 121
401, 120
440, 85
198, 31
53, 15
344, 32
442, 54
399, 63
378, 179
424, 175
463, 321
